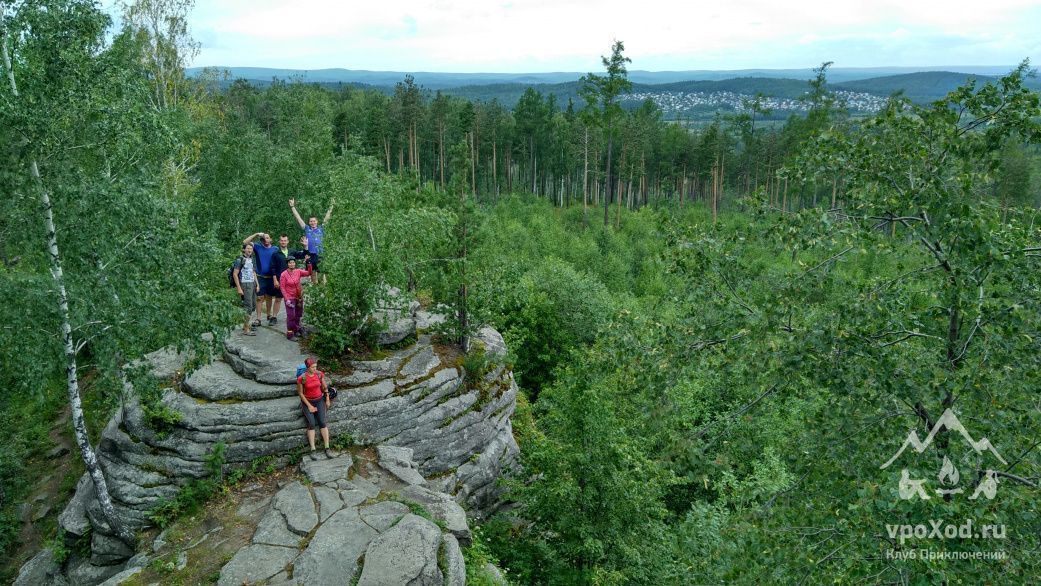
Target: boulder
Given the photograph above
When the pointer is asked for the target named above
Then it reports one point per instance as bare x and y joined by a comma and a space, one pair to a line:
404, 554
106, 550
85, 573
441, 507
294, 502
329, 502
273, 530
492, 341
332, 555
383, 515
398, 461
74, 518
41, 569
454, 564
394, 317
122, 576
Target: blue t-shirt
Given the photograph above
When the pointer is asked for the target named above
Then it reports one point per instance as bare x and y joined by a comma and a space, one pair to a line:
314, 239
263, 254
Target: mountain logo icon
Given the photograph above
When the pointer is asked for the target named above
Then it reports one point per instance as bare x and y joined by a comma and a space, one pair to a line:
948, 476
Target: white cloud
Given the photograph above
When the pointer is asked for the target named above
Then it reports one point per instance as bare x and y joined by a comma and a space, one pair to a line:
531, 35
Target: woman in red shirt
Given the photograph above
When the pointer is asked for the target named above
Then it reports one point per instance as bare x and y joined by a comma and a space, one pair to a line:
289, 284
314, 400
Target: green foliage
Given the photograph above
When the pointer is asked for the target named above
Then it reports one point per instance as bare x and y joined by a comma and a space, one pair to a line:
477, 556
343, 441
59, 548
386, 236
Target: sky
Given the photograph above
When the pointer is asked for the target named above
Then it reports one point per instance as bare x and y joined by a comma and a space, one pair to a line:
570, 35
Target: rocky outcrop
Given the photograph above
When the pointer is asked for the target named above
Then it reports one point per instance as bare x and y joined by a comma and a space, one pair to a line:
343, 528
457, 427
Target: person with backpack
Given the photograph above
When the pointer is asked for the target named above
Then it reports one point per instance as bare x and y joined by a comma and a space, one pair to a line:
289, 282
263, 253
315, 402
244, 272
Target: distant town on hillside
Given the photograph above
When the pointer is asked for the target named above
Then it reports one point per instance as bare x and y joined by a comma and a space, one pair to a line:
691, 95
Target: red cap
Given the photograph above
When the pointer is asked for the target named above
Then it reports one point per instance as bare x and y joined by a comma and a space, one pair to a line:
311, 361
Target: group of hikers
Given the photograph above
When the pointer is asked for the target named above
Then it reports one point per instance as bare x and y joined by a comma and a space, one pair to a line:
266, 275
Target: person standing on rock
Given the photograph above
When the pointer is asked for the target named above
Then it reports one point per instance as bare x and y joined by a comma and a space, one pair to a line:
263, 252
278, 264
315, 402
314, 234
245, 274
289, 282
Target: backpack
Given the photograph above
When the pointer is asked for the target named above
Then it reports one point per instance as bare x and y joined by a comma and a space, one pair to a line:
302, 368
237, 263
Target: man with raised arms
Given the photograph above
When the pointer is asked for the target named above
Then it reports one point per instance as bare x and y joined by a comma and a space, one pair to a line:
314, 233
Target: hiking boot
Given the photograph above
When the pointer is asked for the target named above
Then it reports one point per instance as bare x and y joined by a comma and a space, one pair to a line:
272, 320
313, 456
328, 454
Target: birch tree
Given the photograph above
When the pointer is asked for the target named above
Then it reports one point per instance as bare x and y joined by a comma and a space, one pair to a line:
90, 151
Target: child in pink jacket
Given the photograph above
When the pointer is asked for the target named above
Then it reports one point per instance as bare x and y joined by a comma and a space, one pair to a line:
289, 283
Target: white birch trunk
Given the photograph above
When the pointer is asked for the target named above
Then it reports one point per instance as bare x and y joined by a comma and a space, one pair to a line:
90, 459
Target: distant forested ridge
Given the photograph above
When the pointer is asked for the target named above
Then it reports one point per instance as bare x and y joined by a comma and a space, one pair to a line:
694, 96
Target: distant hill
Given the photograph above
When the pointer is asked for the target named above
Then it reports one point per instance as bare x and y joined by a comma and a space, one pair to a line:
922, 86
442, 80
692, 99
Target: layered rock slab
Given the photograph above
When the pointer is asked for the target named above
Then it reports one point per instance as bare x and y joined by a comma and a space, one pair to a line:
413, 399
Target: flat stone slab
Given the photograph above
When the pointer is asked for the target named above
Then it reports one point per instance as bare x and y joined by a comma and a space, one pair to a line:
443, 508
329, 502
325, 471
332, 555
404, 554
382, 515
272, 530
267, 357
362, 484
352, 497
398, 461
218, 381
295, 503
254, 563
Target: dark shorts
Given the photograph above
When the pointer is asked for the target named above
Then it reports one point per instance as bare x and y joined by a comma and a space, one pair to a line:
267, 286
318, 417
314, 261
